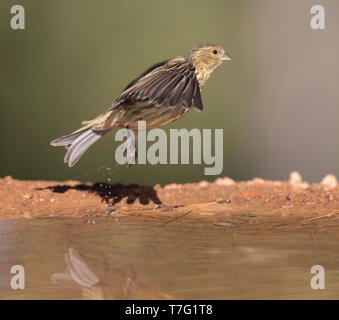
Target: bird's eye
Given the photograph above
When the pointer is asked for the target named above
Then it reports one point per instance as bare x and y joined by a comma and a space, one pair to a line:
215, 51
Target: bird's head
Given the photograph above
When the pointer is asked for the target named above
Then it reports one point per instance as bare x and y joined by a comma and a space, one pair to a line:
205, 59
207, 56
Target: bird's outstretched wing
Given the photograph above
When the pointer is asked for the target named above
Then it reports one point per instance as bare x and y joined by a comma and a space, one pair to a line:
166, 84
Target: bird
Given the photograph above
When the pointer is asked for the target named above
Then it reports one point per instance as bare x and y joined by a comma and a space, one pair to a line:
162, 94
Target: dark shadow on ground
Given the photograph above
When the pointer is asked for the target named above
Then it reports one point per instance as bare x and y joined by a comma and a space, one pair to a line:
113, 193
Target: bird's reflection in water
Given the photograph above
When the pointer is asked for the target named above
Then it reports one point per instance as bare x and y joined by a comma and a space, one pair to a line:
79, 275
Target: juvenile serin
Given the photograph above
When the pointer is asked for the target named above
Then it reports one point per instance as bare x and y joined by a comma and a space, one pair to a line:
162, 94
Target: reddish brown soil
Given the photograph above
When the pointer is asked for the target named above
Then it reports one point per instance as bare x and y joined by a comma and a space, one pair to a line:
254, 205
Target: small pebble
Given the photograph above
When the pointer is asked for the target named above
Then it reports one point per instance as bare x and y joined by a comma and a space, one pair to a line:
296, 180
226, 181
203, 184
224, 201
329, 182
172, 186
256, 181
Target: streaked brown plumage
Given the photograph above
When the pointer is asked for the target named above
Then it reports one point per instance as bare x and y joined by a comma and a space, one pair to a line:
162, 94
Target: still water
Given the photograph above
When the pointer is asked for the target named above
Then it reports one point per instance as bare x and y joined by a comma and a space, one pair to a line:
133, 258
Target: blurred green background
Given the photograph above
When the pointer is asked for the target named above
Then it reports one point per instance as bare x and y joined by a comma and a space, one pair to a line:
277, 100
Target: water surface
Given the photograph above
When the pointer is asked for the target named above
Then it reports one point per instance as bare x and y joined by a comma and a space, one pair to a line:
133, 258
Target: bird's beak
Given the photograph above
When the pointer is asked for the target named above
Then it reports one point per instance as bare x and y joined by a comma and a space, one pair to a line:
226, 57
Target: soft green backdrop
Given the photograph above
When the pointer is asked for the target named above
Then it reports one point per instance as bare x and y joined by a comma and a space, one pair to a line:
74, 58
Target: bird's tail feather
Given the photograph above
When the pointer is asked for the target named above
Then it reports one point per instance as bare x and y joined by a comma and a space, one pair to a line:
77, 143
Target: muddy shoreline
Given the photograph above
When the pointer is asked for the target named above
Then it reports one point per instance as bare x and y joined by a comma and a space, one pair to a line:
256, 205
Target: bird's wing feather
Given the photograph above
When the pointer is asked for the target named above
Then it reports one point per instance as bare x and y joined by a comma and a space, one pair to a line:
164, 84
147, 71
